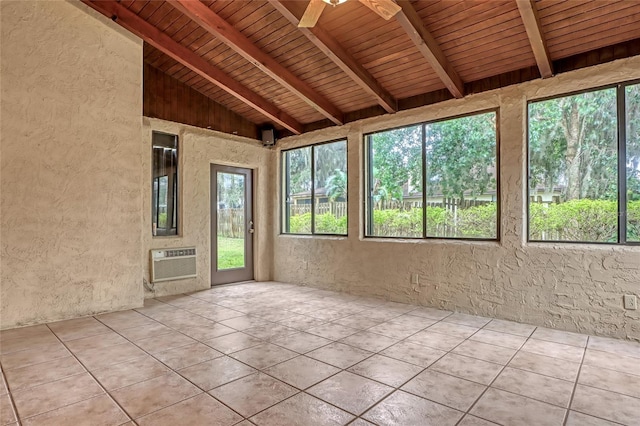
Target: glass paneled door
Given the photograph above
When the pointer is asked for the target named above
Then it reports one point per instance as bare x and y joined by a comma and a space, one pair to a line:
231, 224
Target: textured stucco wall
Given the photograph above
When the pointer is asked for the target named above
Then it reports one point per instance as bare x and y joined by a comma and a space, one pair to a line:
70, 164
197, 150
566, 286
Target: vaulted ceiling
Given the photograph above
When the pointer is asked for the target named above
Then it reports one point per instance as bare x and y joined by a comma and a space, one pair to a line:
251, 57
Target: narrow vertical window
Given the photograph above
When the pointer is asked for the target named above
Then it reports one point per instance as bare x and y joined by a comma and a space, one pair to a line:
164, 199
395, 172
315, 189
298, 190
573, 168
461, 177
330, 187
632, 116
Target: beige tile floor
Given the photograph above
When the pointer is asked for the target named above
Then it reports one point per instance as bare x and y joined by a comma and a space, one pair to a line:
279, 354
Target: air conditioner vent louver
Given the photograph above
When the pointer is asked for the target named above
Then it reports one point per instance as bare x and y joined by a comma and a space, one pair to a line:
173, 264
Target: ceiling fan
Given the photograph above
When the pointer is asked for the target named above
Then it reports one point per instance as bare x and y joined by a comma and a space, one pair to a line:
385, 8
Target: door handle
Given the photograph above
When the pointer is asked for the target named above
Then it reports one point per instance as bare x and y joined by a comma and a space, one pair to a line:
251, 230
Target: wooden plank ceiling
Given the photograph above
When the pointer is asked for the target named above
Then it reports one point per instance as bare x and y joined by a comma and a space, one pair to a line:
252, 59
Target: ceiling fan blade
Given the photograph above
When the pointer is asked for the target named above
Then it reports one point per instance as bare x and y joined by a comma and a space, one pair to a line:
385, 8
312, 13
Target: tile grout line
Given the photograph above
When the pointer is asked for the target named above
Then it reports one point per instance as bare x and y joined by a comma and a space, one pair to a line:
130, 360
373, 353
468, 412
89, 373
298, 390
176, 371
257, 370
423, 368
10, 396
334, 321
304, 391
575, 385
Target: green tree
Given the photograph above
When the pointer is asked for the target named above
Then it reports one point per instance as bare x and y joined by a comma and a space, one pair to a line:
329, 158
632, 95
461, 156
298, 163
337, 185
633, 142
396, 162
573, 144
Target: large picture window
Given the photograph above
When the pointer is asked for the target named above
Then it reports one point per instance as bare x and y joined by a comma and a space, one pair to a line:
584, 167
315, 189
164, 199
632, 161
434, 180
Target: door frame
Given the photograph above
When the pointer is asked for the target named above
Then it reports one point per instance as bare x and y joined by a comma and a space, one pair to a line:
240, 274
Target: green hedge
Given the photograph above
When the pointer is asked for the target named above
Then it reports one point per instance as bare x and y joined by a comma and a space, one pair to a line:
582, 220
326, 223
576, 220
478, 222
633, 221
472, 222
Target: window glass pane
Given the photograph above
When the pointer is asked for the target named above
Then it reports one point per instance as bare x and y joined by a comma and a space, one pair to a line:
298, 190
461, 183
231, 224
632, 96
164, 198
330, 174
395, 184
163, 189
573, 172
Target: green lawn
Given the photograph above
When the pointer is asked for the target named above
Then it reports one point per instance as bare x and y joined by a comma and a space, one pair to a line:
230, 253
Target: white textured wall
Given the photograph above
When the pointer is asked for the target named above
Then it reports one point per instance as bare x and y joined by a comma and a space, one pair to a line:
70, 163
566, 286
197, 150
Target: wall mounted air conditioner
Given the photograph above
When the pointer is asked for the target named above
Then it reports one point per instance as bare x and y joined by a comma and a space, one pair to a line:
173, 264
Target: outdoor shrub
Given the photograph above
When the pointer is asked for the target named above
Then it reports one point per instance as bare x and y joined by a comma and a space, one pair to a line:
633, 221
300, 224
162, 220
326, 223
575, 220
477, 221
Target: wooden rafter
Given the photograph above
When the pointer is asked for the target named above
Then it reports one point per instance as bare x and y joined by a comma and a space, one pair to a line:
334, 51
427, 45
225, 32
189, 59
531, 20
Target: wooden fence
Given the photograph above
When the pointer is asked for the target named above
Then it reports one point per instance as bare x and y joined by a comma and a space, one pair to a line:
337, 209
446, 203
231, 223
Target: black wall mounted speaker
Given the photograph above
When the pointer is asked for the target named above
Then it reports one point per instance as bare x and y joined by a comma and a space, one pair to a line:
268, 137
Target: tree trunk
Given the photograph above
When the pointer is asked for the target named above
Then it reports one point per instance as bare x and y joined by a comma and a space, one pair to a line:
572, 132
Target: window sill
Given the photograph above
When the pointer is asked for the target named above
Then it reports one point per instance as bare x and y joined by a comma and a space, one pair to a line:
572, 245
315, 237
436, 241
166, 237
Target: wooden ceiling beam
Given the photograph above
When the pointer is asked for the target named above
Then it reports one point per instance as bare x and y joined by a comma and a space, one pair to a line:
411, 22
334, 51
189, 59
225, 32
531, 21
